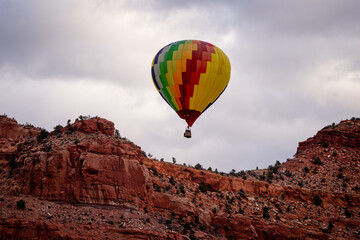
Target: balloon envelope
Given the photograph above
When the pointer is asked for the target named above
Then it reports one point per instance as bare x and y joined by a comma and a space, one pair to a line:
190, 75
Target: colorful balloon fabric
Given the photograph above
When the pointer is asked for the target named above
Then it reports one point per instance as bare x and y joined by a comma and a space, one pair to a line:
190, 75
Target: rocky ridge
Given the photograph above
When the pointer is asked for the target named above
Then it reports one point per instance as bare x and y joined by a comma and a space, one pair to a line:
82, 182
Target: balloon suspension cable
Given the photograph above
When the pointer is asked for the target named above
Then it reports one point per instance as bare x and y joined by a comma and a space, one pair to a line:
187, 132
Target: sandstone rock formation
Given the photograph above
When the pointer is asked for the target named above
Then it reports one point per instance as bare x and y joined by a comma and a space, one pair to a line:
345, 134
82, 182
96, 124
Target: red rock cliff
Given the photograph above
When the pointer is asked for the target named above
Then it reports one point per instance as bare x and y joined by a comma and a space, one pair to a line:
346, 134
82, 167
81, 182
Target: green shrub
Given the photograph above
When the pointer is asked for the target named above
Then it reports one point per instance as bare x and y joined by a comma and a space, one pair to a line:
288, 173
274, 168
182, 189
198, 166
202, 187
42, 135
187, 228
228, 208
20, 204
277, 205
192, 235
58, 128
301, 183
69, 127
340, 176
266, 213
242, 173
269, 176
242, 193
12, 161
347, 213
47, 147
317, 161
172, 181
117, 133
317, 200
20, 147
330, 226
288, 209
262, 177
156, 173
156, 187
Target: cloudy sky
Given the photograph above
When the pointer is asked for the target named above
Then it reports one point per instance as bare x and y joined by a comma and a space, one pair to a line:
295, 69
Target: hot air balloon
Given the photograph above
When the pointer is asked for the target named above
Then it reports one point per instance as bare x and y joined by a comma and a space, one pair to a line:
190, 75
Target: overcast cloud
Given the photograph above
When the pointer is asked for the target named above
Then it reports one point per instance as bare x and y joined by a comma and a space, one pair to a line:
295, 69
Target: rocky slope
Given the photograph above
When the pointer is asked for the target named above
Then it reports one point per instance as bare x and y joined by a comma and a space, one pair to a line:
83, 182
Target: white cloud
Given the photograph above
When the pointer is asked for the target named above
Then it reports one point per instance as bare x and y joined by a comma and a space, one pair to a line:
333, 83
295, 69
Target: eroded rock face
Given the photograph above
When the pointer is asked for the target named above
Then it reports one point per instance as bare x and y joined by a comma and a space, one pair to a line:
81, 168
80, 173
59, 220
10, 130
95, 125
346, 134
23, 229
